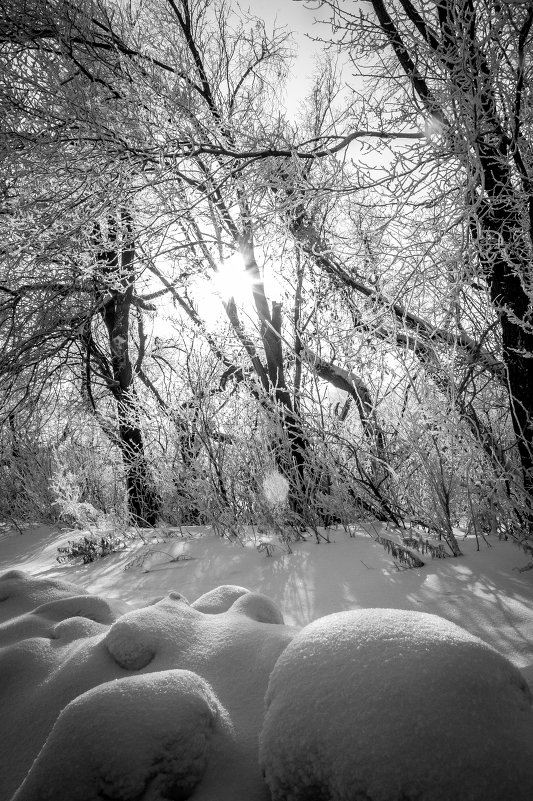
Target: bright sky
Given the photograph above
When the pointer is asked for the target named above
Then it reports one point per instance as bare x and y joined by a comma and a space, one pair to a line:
299, 17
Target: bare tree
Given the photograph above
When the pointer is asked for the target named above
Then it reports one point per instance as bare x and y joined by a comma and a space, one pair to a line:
457, 71
114, 282
169, 110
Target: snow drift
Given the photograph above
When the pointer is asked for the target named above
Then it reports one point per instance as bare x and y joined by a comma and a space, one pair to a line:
166, 701
139, 737
388, 705
161, 702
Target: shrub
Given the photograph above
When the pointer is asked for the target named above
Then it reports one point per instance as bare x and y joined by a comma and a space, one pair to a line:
91, 548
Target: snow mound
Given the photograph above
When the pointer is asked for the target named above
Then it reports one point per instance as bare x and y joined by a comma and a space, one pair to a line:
54, 679
219, 600
31, 625
20, 592
174, 595
90, 606
134, 638
141, 737
76, 628
389, 705
257, 607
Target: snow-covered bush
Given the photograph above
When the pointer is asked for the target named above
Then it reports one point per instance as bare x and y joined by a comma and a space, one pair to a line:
87, 478
89, 549
68, 490
275, 489
144, 737
389, 705
24, 479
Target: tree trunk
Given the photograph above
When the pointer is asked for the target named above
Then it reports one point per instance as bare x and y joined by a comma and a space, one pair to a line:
494, 152
143, 503
118, 273
291, 454
518, 356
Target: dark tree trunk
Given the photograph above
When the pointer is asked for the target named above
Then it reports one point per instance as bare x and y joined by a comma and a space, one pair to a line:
453, 69
143, 503
116, 289
518, 356
505, 251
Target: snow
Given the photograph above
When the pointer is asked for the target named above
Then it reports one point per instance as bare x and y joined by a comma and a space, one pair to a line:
385, 705
257, 607
96, 649
45, 669
21, 591
220, 599
143, 736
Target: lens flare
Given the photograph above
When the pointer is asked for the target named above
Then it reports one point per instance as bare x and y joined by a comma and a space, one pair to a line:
232, 281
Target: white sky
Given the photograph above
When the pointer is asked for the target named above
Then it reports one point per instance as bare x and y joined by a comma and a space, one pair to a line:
298, 17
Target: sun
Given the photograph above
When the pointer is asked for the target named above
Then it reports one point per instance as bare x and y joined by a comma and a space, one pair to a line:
232, 281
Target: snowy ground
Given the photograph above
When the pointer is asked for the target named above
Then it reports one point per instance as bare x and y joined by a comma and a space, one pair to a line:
100, 660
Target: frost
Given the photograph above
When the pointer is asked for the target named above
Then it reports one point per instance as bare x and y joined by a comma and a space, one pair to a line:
275, 488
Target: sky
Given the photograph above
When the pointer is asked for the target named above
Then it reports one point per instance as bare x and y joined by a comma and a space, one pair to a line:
299, 17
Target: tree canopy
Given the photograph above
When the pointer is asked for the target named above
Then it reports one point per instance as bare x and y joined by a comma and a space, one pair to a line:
204, 290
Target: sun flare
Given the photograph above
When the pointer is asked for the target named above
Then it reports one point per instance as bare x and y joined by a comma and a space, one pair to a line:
232, 281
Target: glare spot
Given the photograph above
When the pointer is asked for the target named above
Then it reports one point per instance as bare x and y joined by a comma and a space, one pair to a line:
275, 488
232, 281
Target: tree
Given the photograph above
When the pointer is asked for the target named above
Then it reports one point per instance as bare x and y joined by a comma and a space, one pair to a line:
57, 279
458, 71
165, 129
145, 149
114, 281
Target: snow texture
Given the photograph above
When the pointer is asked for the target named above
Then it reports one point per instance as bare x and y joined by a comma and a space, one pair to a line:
94, 710
135, 638
219, 600
131, 642
139, 737
257, 607
21, 591
373, 705
390, 705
